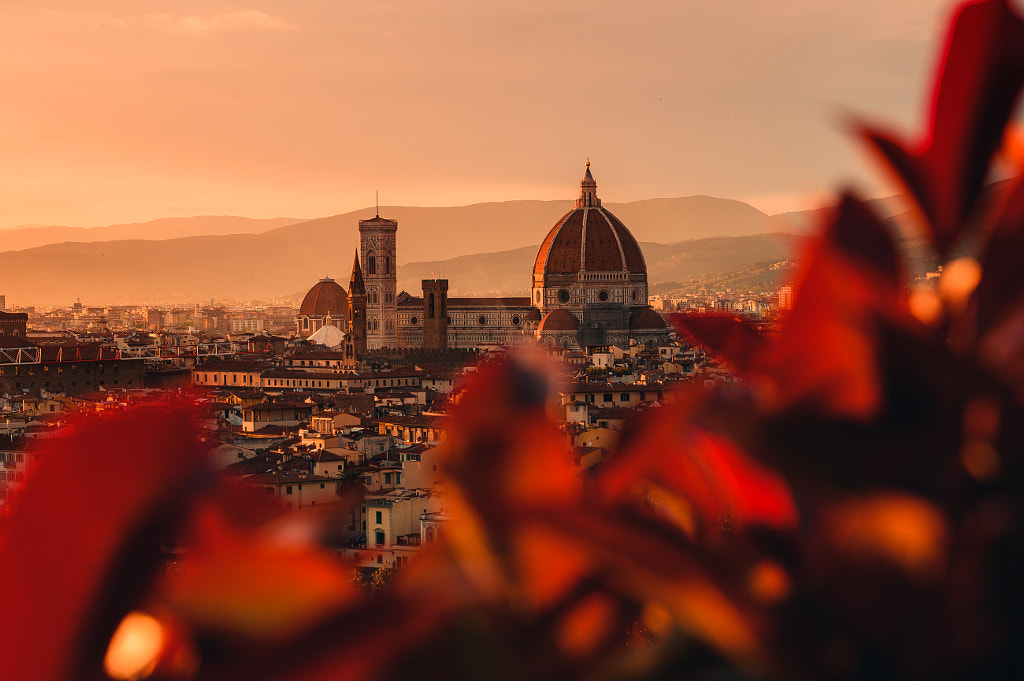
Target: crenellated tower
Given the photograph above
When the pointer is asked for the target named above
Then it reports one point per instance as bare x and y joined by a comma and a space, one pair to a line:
435, 314
378, 255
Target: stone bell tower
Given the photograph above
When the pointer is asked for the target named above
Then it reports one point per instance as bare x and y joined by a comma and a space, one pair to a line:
378, 254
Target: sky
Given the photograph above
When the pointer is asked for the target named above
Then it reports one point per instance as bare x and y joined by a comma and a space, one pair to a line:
128, 110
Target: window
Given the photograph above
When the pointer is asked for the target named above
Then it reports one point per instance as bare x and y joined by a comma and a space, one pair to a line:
607, 397
371, 264
387, 480
414, 321
379, 517
603, 296
624, 397
321, 485
378, 537
482, 320
563, 296
288, 489
430, 306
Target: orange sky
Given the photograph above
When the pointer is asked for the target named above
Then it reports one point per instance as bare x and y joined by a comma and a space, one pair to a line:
118, 111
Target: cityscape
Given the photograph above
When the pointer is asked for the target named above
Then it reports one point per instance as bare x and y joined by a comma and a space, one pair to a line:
359, 381
557, 410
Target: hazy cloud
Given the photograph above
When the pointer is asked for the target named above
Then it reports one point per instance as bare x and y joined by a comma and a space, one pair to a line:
226, 21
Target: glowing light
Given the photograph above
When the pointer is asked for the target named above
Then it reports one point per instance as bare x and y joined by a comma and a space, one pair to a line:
958, 281
135, 647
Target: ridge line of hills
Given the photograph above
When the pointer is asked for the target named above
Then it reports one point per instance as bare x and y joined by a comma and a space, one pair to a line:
483, 248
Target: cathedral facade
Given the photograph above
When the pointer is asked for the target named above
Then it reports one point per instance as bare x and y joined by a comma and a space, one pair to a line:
588, 290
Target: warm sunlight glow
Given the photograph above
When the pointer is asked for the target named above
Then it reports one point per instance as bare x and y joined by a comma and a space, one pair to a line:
135, 647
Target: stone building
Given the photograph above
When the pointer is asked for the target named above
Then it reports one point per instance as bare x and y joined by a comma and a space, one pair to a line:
588, 290
325, 304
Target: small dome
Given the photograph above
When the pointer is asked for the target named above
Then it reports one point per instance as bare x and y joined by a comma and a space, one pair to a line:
326, 297
646, 318
559, 320
533, 315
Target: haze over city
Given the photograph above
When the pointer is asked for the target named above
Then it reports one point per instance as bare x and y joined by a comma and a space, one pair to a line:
123, 112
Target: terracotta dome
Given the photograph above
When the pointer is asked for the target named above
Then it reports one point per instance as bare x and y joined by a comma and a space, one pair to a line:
646, 318
589, 239
533, 315
559, 320
326, 297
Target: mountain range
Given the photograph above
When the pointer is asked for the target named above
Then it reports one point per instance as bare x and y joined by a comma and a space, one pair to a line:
481, 248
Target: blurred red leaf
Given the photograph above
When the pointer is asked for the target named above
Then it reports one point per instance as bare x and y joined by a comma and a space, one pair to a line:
99, 495
724, 335
978, 86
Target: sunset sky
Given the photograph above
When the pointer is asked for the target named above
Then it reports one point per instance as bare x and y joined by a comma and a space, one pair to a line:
119, 111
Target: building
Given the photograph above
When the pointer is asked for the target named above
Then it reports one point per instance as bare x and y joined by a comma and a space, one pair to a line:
325, 304
588, 290
13, 324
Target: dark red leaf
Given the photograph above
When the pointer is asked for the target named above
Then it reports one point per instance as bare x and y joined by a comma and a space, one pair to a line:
97, 496
724, 335
977, 88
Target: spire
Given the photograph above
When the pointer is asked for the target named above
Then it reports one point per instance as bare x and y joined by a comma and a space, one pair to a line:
588, 191
356, 285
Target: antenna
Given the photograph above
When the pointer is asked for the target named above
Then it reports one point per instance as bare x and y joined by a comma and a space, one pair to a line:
376, 200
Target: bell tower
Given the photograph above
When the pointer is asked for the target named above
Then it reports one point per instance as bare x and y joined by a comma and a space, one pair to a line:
378, 254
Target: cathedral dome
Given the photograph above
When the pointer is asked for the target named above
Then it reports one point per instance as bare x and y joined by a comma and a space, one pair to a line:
327, 297
589, 239
559, 320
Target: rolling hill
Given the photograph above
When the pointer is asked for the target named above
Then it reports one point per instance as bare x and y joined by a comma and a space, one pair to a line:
292, 257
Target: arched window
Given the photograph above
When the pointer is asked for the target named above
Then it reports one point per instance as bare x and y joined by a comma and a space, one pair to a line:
387, 264
430, 306
371, 263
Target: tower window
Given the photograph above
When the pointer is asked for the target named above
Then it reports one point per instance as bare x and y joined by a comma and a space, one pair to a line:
371, 264
387, 264
430, 306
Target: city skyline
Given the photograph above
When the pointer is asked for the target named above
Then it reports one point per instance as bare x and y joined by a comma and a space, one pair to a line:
125, 114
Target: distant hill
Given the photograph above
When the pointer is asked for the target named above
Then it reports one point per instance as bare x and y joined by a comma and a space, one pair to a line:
32, 236
292, 257
508, 272
439, 233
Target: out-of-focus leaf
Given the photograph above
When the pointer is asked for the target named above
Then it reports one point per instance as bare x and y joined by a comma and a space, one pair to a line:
825, 358
255, 585
704, 469
726, 336
980, 79
108, 492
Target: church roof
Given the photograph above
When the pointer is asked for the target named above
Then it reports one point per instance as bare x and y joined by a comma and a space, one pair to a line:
646, 318
559, 320
356, 286
329, 335
589, 239
326, 297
